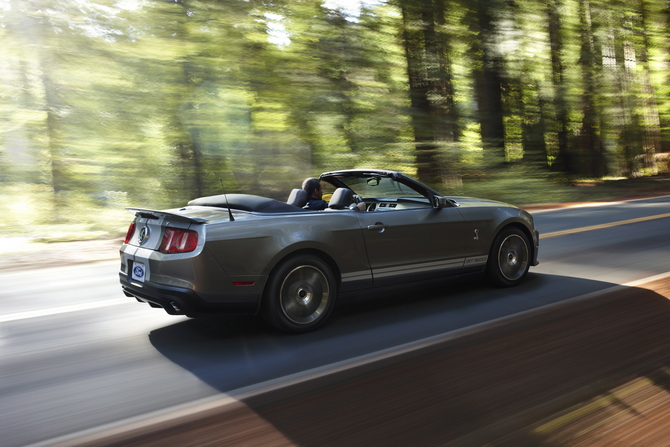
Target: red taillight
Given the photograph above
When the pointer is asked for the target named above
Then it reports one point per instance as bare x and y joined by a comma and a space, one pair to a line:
129, 234
179, 241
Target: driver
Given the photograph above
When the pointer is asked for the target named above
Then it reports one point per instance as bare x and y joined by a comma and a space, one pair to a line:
315, 195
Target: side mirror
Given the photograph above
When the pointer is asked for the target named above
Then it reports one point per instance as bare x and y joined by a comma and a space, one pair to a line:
440, 202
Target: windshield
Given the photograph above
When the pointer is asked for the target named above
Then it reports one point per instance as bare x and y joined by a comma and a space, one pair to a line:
377, 186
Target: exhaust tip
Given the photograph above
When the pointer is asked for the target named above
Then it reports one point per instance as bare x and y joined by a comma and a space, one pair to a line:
175, 306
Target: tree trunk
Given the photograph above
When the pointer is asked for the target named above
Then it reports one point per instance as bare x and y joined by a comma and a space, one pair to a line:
434, 115
489, 82
426, 147
563, 159
651, 139
590, 146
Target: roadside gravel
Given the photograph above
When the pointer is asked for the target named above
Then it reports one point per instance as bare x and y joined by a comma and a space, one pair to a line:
19, 254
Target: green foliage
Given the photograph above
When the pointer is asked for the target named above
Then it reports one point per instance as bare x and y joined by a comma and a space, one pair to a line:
107, 104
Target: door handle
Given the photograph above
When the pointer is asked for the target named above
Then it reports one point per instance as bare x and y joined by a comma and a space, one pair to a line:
380, 227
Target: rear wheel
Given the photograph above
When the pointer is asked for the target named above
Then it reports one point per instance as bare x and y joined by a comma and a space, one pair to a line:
509, 258
300, 295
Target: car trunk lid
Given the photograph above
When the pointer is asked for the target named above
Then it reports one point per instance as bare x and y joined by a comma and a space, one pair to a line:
150, 224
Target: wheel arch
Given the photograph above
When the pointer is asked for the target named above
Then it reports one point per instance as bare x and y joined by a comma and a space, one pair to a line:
325, 257
525, 231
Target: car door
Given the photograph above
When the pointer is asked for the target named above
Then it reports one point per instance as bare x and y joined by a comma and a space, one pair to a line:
406, 245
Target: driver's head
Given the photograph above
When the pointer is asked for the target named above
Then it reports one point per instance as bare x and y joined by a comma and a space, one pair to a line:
313, 188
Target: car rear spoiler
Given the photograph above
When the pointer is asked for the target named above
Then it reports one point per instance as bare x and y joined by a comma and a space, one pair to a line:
157, 215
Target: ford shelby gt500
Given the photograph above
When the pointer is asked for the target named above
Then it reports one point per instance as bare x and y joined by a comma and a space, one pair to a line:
250, 254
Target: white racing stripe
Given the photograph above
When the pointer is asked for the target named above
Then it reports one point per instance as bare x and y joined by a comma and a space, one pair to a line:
62, 310
192, 410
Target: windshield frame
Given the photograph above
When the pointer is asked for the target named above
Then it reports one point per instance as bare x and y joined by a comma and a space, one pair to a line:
339, 180
379, 187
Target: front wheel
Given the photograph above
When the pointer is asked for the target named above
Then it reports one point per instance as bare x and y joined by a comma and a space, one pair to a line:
300, 294
509, 258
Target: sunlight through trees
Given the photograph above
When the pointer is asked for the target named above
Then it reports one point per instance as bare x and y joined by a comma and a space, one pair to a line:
107, 104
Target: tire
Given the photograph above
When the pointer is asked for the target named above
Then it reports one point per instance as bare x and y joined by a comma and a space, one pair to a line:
509, 259
300, 294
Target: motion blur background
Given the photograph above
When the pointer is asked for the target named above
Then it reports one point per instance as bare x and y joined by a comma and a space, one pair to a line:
106, 104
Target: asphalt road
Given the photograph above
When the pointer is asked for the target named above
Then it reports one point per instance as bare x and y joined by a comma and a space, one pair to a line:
75, 354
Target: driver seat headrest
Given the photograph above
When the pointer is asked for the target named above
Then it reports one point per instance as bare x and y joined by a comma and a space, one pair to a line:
298, 197
342, 198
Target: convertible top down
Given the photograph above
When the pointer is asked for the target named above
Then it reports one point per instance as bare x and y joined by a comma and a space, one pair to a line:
250, 254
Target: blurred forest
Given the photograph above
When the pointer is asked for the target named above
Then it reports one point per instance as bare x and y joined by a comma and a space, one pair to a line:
114, 103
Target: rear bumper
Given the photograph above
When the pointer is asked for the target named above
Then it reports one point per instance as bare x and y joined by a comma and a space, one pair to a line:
180, 301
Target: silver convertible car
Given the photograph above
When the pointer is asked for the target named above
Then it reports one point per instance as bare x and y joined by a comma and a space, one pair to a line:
243, 253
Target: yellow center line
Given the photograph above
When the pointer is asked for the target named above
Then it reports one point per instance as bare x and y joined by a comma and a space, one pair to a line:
601, 226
